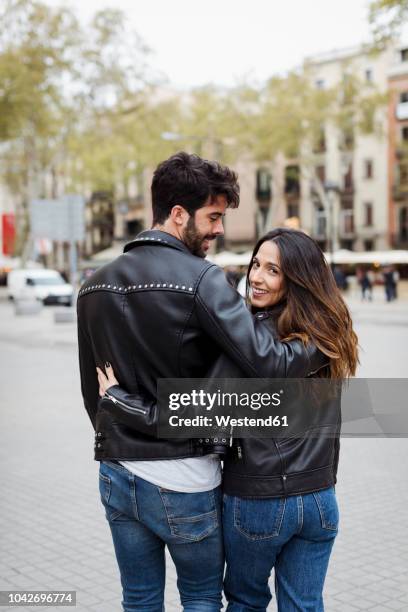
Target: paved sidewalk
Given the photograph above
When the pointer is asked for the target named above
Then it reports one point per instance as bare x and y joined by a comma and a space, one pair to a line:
53, 534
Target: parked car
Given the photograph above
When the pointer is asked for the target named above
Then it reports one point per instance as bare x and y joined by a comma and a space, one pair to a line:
45, 285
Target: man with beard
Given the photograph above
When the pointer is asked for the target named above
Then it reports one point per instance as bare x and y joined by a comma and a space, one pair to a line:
161, 310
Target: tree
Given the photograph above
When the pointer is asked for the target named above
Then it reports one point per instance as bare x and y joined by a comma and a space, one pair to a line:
119, 114
288, 117
35, 46
64, 88
387, 18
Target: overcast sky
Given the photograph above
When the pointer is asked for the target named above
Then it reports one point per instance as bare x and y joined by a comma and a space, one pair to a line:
221, 41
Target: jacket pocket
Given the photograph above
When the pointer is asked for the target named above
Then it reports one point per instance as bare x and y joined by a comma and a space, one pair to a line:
259, 519
328, 509
191, 516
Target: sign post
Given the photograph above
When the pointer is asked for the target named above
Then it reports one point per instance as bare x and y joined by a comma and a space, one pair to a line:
61, 220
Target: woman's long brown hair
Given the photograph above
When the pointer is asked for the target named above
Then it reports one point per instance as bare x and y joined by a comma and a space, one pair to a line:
313, 308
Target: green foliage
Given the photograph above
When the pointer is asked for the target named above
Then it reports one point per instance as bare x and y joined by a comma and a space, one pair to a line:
358, 107
292, 112
64, 90
387, 18
83, 103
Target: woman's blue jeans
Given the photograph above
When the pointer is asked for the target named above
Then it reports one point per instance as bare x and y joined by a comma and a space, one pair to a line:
293, 535
143, 519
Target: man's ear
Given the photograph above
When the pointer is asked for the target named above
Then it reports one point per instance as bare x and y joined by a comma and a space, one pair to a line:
179, 215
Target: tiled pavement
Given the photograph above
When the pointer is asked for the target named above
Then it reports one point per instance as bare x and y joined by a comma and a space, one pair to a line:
53, 534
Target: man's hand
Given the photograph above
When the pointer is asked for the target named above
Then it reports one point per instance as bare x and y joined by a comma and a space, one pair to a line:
106, 379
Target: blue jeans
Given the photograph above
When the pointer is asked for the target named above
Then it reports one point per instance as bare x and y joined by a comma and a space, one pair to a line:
143, 518
294, 535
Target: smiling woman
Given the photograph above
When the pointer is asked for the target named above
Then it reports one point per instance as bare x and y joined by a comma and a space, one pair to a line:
280, 508
266, 278
288, 272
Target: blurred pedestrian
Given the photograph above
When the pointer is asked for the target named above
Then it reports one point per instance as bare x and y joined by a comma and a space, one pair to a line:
390, 283
396, 277
365, 284
340, 278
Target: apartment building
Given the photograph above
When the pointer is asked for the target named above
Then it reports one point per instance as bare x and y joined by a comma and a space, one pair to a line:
353, 165
361, 209
398, 149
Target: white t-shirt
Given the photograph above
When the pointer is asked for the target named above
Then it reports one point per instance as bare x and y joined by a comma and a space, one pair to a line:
192, 475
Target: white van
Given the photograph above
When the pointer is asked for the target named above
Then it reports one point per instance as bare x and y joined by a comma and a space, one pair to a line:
41, 284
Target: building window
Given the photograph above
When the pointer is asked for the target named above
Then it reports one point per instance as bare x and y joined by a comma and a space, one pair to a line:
348, 178
404, 55
347, 222
347, 139
321, 174
368, 168
368, 214
292, 178
403, 224
320, 142
347, 244
263, 185
403, 97
369, 75
320, 84
404, 133
368, 245
402, 174
293, 210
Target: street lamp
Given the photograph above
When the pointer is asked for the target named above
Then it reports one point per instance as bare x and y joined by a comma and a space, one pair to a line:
332, 190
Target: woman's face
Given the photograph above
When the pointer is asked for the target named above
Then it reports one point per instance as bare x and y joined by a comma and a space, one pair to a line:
266, 277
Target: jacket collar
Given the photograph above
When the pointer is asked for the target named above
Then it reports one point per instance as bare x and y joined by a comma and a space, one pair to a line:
156, 237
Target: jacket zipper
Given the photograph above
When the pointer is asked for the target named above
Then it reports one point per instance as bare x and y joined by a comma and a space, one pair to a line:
130, 408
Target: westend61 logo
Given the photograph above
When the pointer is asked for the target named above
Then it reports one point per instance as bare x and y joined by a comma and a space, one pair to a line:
221, 399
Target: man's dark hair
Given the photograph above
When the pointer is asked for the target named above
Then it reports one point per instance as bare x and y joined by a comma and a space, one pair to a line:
189, 181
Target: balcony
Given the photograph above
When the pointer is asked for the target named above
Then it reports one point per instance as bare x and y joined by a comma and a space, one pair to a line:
400, 241
400, 192
401, 152
398, 69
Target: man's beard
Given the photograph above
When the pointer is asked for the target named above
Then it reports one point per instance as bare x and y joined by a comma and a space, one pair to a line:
194, 240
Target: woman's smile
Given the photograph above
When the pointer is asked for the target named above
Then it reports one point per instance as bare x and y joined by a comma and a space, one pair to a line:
257, 292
